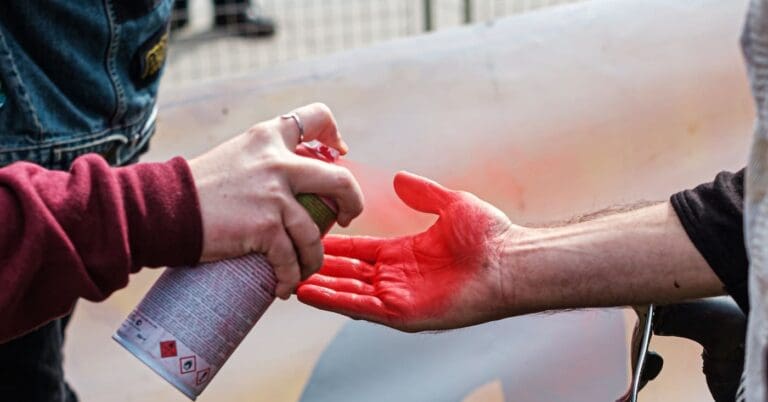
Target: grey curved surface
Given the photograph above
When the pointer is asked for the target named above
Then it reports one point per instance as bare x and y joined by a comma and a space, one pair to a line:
569, 356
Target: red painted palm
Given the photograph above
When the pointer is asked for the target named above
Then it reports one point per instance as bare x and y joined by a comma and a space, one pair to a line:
446, 277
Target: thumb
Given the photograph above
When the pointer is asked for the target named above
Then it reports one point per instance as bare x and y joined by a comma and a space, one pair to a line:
421, 193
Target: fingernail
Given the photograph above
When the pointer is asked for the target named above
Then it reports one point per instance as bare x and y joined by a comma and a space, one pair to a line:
343, 220
280, 291
344, 148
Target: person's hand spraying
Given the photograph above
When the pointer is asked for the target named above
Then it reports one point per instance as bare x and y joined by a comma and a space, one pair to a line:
247, 189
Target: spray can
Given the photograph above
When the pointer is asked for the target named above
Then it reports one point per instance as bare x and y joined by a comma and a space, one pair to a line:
193, 318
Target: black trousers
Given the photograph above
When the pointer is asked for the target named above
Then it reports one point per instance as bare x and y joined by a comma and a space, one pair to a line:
31, 366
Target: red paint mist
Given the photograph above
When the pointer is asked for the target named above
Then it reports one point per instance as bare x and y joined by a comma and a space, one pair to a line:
418, 281
384, 213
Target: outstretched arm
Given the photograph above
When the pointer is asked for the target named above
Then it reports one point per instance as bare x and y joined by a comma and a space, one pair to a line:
473, 265
67, 235
635, 257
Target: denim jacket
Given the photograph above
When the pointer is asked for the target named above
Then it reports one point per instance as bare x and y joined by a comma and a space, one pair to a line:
79, 76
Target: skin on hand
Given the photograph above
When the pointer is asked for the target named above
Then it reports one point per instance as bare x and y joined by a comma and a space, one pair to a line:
446, 277
473, 265
247, 187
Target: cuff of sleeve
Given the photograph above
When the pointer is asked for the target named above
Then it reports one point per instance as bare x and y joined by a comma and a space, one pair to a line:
717, 257
164, 217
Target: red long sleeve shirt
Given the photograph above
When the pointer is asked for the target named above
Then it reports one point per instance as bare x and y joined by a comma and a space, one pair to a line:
80, 234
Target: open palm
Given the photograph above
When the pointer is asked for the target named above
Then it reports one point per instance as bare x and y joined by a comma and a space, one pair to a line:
446, 277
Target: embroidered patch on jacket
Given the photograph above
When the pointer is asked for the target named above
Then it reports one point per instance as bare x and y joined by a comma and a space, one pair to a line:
150, 58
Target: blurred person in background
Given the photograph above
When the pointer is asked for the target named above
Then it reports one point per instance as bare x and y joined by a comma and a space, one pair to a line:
96, 224
236, 16
76, 78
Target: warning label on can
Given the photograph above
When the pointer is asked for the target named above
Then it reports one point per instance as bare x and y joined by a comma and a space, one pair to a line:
202, 313
154, 346
202, 376
187, 364
168, 349
193, 319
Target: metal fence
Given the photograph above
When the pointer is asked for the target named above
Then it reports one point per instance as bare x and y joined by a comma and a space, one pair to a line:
207, 47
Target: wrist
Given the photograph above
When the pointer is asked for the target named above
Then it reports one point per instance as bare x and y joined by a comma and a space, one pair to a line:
521, 262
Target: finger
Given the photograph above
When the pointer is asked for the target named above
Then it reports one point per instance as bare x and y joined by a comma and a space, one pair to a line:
305, 236
357, 306
282, 256
348, 285
341, 267
317, 151
335, 182
362, 248
421, 193
319, 124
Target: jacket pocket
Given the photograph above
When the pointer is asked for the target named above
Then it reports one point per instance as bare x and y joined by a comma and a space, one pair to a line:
18, 116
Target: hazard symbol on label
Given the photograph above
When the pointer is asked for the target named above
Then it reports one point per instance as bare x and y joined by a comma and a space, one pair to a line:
202, 376
187, 364
168, 349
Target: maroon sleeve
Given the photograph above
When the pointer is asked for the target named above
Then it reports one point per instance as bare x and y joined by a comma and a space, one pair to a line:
80, 234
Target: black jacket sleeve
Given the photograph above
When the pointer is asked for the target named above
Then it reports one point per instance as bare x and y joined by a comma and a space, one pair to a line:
712, 215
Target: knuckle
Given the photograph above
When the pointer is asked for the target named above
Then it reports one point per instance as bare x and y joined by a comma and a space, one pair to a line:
276, 199
310, 231
274, 192
344, 180
324, 115
272, 225
260, 132
349, 191
315, 243
284, 263
297, 217
297, 221
280, 198
272, 186
321, 108
273, 165
312, 252
291, 277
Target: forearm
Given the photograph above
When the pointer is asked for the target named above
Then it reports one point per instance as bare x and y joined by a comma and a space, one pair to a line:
79, 234
636, 257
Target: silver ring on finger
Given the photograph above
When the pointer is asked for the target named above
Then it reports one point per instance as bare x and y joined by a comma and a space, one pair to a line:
295, 117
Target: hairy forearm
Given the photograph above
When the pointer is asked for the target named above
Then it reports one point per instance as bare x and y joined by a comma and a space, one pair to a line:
636, 257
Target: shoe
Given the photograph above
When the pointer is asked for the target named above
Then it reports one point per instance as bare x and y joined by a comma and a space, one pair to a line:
179, 15
247, 24
178, 23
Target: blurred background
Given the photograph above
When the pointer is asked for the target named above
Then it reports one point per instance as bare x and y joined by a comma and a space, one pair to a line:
544, 108
236, 37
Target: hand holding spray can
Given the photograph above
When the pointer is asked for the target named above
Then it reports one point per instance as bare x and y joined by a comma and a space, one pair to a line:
193, 318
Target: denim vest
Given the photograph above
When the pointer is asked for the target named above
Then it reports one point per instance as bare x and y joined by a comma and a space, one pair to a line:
79, 76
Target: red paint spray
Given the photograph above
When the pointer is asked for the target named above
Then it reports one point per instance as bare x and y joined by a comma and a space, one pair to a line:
193, 318
412, 281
